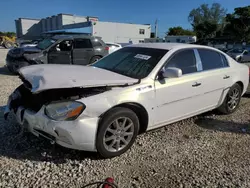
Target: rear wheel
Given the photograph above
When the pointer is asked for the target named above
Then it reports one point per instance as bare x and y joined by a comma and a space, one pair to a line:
232, 100
94, 59
117, 132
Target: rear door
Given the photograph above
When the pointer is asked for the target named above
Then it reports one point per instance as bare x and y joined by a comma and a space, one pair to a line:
61, 53
82, 51
216, 76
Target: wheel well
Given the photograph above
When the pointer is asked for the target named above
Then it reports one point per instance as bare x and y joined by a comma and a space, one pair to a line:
241, 85
97, 56
139, 110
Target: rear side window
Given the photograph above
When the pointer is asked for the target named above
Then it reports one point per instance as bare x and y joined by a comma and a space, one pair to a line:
96, 43
184, 60
211, 59
224, 60
82, 43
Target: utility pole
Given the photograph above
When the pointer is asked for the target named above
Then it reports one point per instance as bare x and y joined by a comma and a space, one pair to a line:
156, 27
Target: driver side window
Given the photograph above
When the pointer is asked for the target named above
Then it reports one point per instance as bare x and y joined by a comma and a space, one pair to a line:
184, 60
63, 46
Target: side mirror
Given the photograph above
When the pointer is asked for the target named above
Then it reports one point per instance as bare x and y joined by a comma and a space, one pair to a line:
172, 72
45, 52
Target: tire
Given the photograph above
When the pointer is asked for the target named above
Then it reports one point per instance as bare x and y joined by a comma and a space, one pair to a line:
118, 138
228, 106
94, 59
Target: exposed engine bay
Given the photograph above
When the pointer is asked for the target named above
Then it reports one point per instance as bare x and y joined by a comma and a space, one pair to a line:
34, 102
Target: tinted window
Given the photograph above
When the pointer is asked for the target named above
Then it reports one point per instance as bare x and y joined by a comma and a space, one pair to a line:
133, 62
96, 43
82, 43
184, 60
210, 59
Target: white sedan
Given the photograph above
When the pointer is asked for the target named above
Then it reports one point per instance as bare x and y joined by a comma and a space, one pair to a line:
103, 107
113, 46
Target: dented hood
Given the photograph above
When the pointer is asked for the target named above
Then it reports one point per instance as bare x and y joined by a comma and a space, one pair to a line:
48, 76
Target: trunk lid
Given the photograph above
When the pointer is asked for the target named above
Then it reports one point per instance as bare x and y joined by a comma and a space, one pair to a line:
48, 76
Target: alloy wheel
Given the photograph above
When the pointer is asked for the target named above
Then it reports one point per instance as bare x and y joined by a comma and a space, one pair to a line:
118, 134
234, 98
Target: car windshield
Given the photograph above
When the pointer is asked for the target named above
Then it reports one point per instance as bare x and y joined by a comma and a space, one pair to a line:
133, 62
45, 43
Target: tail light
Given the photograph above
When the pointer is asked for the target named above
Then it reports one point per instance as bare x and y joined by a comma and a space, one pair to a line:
106, 48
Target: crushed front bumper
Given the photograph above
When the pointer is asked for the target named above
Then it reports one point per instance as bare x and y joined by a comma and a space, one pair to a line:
79, 134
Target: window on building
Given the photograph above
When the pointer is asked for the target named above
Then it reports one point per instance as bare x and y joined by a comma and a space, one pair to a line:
211, 59
141, 31
82, 43
141, 41
184, 60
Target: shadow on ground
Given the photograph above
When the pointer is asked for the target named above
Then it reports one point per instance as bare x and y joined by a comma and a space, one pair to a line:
5, 71
17, 143
223, 126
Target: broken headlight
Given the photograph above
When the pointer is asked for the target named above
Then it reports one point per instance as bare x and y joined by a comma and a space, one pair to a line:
64, 111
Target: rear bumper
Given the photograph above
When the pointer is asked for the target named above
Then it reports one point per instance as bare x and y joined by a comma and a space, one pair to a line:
79, 134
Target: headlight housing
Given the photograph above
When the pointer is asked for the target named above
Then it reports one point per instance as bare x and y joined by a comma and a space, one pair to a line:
64, 111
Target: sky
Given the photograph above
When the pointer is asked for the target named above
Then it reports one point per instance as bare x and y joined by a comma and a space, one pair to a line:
169, 13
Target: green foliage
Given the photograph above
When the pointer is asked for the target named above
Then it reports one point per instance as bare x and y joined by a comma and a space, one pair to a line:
179, 31
207, 21
8, 34
238, 24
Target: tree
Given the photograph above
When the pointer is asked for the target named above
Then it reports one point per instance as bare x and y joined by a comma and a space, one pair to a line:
179, 31
238, 24
207, 21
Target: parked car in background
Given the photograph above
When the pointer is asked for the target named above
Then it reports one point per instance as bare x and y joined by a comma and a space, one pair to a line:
77, 50
113, 47
103, 107
32, 43
240, 55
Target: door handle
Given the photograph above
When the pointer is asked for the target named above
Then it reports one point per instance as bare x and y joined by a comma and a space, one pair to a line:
196, 84
226, 77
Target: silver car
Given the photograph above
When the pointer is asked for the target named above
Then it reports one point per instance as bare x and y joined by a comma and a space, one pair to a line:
103, 107
239, 55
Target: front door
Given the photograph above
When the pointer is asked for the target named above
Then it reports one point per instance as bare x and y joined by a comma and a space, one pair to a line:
179, 97
82, 52
61, 53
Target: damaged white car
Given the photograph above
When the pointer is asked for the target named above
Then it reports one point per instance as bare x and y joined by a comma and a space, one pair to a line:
103, 107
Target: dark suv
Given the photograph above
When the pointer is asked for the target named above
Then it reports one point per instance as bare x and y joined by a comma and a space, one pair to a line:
78, 50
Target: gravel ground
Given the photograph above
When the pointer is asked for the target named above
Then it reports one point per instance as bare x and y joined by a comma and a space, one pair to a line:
209, 150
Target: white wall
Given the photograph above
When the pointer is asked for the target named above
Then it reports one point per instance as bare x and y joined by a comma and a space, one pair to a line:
28, 24
70, 19
120, 32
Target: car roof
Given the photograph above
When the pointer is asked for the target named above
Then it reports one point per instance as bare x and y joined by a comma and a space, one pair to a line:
58, 37
169, 46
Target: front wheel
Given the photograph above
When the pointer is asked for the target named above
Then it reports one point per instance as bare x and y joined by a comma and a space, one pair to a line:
117, 132
232, 100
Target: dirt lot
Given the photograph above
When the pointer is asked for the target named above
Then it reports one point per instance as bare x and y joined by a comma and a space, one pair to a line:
209, 150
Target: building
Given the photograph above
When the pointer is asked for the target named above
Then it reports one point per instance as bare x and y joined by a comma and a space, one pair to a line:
27, 28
